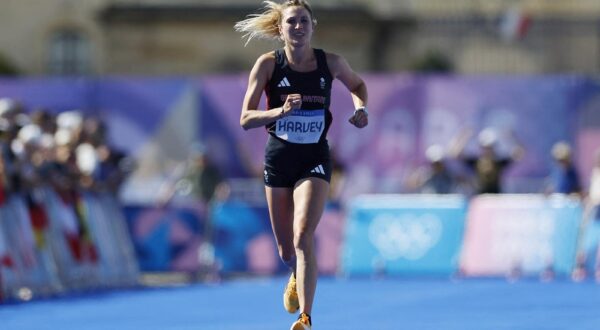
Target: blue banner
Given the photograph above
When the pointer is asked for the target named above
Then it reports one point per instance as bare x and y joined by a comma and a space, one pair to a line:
243, 239
404, 235
168, 238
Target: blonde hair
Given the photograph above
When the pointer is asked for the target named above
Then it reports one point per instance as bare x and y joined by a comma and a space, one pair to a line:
266, 24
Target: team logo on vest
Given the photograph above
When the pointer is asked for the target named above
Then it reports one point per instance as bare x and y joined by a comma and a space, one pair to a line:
284, 83
301, 126
322, 83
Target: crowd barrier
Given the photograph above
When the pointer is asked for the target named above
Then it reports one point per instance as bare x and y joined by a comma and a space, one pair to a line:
504, 235
244, 240
521, 234
241, 241
167, 238
406, 235
589, 244
54, 244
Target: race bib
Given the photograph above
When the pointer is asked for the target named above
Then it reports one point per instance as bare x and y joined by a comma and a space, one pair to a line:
301, 126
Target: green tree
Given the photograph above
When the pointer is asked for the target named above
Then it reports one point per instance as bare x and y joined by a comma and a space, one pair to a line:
7, 68
432, 62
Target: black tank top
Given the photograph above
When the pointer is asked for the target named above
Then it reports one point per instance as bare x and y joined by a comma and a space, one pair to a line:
310, 124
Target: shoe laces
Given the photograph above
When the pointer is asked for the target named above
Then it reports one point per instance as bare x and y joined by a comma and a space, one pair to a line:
305, 318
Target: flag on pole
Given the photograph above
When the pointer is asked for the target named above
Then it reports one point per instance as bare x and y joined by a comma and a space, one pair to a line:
514, 24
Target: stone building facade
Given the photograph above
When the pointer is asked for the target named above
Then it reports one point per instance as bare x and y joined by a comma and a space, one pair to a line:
187, 37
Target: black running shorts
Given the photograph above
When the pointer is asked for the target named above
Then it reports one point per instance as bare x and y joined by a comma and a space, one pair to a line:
287, 163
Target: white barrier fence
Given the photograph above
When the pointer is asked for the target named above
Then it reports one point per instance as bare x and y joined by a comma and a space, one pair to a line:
54, 243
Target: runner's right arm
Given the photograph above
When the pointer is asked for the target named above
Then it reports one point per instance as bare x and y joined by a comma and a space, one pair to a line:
251, 117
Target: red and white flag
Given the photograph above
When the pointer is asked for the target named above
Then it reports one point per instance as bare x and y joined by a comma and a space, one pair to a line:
514, 24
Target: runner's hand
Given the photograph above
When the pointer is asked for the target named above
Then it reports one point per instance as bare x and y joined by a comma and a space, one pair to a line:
292, 102
360, 118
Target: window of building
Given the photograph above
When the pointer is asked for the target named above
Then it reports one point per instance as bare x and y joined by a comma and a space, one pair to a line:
69, 53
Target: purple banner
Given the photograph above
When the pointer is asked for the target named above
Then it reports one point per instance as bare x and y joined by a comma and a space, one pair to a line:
158, 119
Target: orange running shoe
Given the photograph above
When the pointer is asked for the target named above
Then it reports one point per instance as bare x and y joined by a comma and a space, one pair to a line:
303, 323
290, 296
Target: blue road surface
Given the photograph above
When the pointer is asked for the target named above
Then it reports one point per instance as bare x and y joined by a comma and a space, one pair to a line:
344, 304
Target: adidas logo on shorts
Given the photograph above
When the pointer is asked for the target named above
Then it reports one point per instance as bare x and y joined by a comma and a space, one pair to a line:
284, 83
319, 169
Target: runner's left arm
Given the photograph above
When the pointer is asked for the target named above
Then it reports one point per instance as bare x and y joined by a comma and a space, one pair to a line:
340, 69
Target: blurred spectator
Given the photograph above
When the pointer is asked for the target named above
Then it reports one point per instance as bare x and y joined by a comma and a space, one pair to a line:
9, 109
115, 167
27, 149
4, 184
594, 191
69, 127
198, 177
435, 177
63, 171
205, 177
488, 166
87, 163
44, 120
564, 178
198, 180
594, 211
93, 131
588, 254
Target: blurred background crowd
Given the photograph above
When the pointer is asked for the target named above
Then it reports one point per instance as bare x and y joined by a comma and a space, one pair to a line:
64, 150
